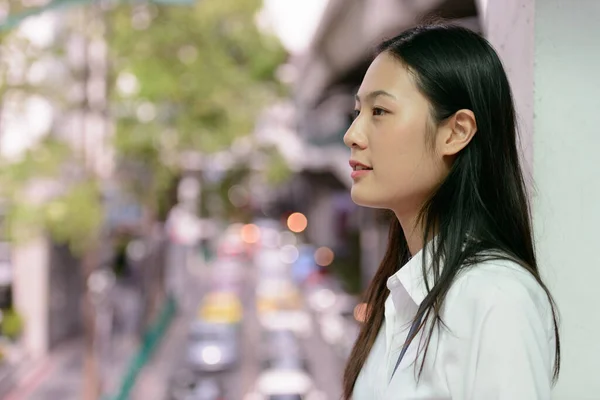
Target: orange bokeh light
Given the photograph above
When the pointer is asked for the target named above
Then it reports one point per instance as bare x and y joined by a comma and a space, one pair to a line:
297, 222
250, 233
360, 312
324, 256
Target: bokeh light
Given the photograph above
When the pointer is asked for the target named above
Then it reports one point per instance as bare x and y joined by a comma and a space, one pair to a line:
324, 256
288, 254
297, 222
360, 312
250, 233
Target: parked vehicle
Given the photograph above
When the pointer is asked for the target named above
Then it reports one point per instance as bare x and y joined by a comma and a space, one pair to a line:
275, 294
213, 346
186, 385
284, 384
221, 307
297, 321
282, 350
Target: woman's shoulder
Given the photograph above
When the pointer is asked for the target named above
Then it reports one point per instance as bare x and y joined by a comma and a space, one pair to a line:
500, 284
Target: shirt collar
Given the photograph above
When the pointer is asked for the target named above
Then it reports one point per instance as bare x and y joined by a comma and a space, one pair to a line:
410, 276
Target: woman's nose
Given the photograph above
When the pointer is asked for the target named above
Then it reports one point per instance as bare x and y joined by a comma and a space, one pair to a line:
353, 137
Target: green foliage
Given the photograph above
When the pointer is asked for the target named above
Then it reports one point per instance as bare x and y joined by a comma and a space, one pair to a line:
39, 200
23, 221
205, 70
46, 190
277, 171
12, 324
76, 216
44, 160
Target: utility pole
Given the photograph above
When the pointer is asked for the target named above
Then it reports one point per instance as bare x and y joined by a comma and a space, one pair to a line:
94, 67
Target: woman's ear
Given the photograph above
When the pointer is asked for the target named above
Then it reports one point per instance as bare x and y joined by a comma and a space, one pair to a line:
458, 132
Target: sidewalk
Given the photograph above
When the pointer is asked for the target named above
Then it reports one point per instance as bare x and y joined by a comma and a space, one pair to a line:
32, 375
60, 375
12, 363
153, 381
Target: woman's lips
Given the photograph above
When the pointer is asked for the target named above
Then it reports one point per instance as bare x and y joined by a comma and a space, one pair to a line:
359, 173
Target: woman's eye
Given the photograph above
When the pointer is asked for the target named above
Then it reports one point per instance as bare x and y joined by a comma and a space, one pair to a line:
378, 111
355, 114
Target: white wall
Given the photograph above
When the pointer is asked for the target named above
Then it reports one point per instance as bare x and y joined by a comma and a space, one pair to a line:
566, 167
551, 50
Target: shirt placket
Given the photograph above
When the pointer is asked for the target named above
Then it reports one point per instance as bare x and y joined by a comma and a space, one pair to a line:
397, 332
390, 326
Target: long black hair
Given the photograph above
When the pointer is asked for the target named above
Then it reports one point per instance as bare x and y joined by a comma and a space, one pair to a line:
484, 195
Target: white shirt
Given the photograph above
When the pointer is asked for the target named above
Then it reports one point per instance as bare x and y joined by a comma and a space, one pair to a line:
499, 343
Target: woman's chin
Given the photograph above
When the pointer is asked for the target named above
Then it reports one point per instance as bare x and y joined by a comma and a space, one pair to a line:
364, 198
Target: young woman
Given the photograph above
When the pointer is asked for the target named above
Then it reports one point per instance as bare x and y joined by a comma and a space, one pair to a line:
457, 309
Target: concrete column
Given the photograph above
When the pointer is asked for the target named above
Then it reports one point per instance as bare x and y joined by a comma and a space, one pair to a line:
566, 168
31, 263
551, 49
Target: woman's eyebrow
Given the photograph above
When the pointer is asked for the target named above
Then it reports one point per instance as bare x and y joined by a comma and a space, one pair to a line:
376, 93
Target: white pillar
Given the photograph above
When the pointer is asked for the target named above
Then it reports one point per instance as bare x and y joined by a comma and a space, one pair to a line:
31, 264
551, 49
566, 167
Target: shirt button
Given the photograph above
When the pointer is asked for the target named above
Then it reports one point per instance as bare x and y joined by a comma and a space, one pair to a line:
393, 282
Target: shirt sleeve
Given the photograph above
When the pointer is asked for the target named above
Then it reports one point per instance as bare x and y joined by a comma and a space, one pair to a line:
499, 347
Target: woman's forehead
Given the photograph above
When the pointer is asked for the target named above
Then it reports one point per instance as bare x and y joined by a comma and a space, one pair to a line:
387, 73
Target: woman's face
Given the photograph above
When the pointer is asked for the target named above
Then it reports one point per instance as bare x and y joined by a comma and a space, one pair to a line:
393, 134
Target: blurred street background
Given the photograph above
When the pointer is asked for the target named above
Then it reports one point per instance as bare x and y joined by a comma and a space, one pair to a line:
174, 191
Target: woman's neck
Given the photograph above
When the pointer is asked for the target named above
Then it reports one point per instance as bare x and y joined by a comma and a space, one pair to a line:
413, 228
413, 232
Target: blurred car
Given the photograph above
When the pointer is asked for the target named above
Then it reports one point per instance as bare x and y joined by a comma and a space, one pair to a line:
221, 307
284, 384
282, 350
297, 321
280, 343
277, 294
212, 346
287, 361
185, 385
